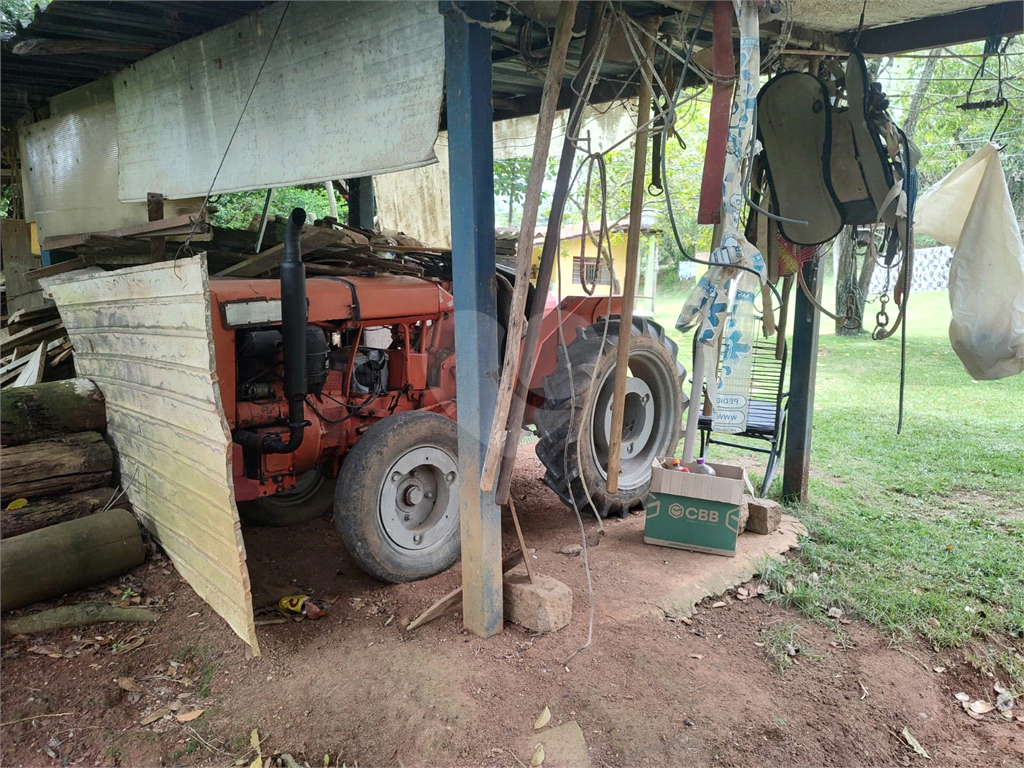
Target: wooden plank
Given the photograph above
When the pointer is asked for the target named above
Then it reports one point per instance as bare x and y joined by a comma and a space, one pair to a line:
57, 269
524, 248
18, 259
25, 316
312, 239
636, 207
159, 227
32, 373
33, 334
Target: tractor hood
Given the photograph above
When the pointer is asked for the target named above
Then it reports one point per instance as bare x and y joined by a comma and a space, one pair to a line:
389, 298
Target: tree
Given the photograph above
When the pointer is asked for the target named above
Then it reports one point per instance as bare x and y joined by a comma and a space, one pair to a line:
510, 183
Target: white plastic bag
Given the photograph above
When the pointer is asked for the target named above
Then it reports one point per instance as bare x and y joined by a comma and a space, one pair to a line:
970, 211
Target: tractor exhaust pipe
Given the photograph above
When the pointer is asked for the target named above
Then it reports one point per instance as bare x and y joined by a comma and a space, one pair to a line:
294, 318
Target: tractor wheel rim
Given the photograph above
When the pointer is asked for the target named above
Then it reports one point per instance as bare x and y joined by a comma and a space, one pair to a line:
647, 427
418, 503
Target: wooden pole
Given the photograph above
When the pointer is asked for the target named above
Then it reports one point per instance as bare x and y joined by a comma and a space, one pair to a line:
69, 556
524, 248
636, 210
70, 463
552, 240
522, 541
49, 410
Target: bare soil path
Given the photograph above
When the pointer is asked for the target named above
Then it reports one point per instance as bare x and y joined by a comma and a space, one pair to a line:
651, 690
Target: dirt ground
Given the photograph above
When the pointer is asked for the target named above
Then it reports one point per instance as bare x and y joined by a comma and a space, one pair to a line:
355, 686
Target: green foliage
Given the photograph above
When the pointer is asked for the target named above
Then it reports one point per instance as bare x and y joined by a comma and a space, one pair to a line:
13, 11
236, 210
510, 178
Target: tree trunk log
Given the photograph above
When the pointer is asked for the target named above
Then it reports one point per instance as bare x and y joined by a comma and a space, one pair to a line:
62, 558
79, 615
49, 467
58, 509
43, 411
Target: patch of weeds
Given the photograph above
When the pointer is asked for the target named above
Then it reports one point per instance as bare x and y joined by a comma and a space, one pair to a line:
781, 645
206, 672
191, 747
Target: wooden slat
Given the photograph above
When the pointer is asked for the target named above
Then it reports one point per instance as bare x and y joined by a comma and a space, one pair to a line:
160, 228
57, 269
312, 239
32, 335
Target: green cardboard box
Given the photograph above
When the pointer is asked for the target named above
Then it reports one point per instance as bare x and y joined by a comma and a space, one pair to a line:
697, 512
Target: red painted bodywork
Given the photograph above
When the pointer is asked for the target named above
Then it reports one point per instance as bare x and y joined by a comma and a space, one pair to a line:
421, 364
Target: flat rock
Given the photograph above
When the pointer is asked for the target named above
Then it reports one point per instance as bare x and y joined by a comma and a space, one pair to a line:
544, 606
564, 747
765, 516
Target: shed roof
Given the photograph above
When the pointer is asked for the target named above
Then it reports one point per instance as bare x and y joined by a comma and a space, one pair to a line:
71, 43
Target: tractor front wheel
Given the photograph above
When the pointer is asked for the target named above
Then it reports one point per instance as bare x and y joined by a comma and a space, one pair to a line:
311, 498
575, 422
396, 506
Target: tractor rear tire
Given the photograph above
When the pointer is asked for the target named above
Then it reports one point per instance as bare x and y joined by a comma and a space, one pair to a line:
312, 497
396, 506
575, 419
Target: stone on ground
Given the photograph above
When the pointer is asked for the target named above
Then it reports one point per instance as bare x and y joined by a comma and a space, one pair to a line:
545, 606
765, 516
564, 747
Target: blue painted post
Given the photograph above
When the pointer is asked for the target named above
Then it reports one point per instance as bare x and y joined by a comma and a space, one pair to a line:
471, 168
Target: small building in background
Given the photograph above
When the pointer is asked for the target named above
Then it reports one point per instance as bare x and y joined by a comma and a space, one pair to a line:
569, 273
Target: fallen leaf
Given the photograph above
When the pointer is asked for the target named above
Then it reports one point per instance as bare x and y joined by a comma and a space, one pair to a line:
719, 604
128, 684
187, 717
940, 670
153, 717
835, 613
915, 744
1007, 715
696, 656
791, 649
980, 707
257, 763
962, 697
129, 645
538, 756
933, 622
18, 504
254, 739
1005, 701
542, 719
759, 645
687, 621
741, 592
327, 759
763, 589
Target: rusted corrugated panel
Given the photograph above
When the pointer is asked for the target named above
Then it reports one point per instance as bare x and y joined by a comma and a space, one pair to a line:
348, 89
144, 335
70, 168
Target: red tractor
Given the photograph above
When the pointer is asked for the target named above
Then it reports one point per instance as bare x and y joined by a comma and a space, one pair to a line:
340, 391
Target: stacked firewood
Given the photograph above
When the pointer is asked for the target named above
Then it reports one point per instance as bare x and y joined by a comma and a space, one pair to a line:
34, 347
58, 531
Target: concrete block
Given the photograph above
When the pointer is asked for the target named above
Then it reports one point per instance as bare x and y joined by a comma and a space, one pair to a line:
545, 606
744, 513
564, 747
765, 516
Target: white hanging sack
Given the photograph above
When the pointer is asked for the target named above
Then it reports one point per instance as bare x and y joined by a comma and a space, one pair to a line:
970, 211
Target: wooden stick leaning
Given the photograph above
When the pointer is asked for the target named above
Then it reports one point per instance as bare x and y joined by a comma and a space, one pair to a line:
524, 248
636, 205
522, 541
454, 597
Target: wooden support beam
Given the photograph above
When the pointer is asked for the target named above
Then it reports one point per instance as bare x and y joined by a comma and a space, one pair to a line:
524, 246
636, 212
806, 322
360, 202
552, 241
471, 166
996, 20
709, 209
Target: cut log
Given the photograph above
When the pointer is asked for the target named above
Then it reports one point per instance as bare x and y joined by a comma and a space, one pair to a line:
42, 513
73, 555
80, 615
50, 410
49, 467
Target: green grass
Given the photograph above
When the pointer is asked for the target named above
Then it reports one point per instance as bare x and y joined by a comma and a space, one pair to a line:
918, 533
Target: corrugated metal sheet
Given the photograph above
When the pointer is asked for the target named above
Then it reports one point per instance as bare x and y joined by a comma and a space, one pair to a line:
416, 201
70, 167
144, 335
347, 90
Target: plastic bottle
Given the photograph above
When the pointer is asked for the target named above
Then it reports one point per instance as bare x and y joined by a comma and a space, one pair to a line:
702, 468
